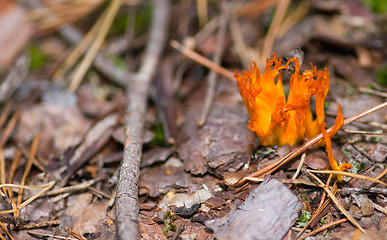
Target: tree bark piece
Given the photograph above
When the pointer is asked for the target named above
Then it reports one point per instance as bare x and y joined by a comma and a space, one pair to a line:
267, 213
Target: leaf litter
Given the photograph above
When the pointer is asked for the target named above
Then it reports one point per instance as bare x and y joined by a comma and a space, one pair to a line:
188, 173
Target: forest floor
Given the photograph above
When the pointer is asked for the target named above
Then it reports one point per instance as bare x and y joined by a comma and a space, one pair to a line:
113, 126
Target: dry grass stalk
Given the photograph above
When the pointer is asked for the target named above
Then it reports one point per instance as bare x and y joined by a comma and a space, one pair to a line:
74, 234
56, 14
323, 204
39, 225
80, 71
10, 127
77, 52
17, 208
46, 235
5, 229
382, 174
74, 188
34, 149
282, 7
254, 9
326, 226
337, 203
212, 76
2, 171
4, 113
202, 60
202, 9
348, 174
300, 166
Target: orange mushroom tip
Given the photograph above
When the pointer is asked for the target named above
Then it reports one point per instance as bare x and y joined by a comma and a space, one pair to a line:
278, 120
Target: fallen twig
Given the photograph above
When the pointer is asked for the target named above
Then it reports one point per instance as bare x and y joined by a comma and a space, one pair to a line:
353, 175
299, 166
74, 234
337, 203
47, 235
78, 187
9, 128
15, 77
382, 174
34, 149
350, 190
373, 92
212, 76
39, 225
45, 187
323, 204
202, 60
2, 171
178, 232
137, 94
5, 229
323, 228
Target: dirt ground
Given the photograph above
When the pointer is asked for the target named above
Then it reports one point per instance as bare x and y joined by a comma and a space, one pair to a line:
122, 119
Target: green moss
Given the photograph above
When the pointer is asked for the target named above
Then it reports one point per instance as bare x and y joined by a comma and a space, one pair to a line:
158, 138
119, 62
172, 227
119, 24
304, 218
169, 226
38, 58
378, 6
381, 75
142, 19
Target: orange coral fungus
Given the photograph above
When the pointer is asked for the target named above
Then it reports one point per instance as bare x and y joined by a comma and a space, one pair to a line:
278, 121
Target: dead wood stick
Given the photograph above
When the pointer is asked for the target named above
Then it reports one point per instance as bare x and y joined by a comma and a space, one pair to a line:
137, 93
15, 77
202, 60
323, 228
212, 76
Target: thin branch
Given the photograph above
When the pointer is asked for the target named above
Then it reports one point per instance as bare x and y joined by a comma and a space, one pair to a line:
15, 77
323, 204
336, 201
9, 128
352, 175
323, 228
374, 92
202, 60
349, 190
127, 205
212, 77
299, 166
382, 174
2, 171
34, 149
